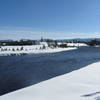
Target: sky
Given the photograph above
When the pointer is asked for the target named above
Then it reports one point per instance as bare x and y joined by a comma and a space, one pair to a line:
34, 19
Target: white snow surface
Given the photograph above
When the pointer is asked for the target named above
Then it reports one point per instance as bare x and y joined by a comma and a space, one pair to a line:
33, 49
82, 84
76, 44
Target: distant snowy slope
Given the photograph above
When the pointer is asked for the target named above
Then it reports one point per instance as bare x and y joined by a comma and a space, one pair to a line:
83, 84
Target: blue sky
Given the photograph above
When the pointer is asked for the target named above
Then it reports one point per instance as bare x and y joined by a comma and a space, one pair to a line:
49, 18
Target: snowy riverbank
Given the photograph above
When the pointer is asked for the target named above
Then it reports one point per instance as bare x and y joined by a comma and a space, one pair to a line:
82, 84
34, 49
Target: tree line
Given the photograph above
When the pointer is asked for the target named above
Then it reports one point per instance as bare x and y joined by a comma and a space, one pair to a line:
50, 42
16, 43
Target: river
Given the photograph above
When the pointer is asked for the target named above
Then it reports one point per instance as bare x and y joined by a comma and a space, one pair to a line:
17, 72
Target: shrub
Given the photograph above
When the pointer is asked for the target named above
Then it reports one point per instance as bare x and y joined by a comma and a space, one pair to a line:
63, 45
21, 48
13, 49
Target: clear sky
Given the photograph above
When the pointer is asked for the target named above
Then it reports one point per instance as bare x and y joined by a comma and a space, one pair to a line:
49, 18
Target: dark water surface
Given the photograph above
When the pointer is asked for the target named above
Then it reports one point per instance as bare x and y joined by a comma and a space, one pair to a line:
20, 71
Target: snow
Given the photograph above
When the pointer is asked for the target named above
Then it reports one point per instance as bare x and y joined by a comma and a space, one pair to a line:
76, 44
30, 49
44, 43
82, 84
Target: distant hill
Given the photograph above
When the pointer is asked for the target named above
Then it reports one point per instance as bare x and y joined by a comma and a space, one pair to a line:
9, 40
78, 39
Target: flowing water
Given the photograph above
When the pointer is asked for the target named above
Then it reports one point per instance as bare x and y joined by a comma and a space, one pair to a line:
17, 72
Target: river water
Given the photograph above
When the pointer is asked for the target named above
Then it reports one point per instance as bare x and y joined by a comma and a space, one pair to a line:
17, 72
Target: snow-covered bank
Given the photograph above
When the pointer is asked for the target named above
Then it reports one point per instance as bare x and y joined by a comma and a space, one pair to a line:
8, 50
33, 49
76, 44
83, 84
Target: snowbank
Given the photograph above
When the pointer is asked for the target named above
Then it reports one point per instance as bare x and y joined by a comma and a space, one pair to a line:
17, 50
76, 44
8, 50
83, 84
